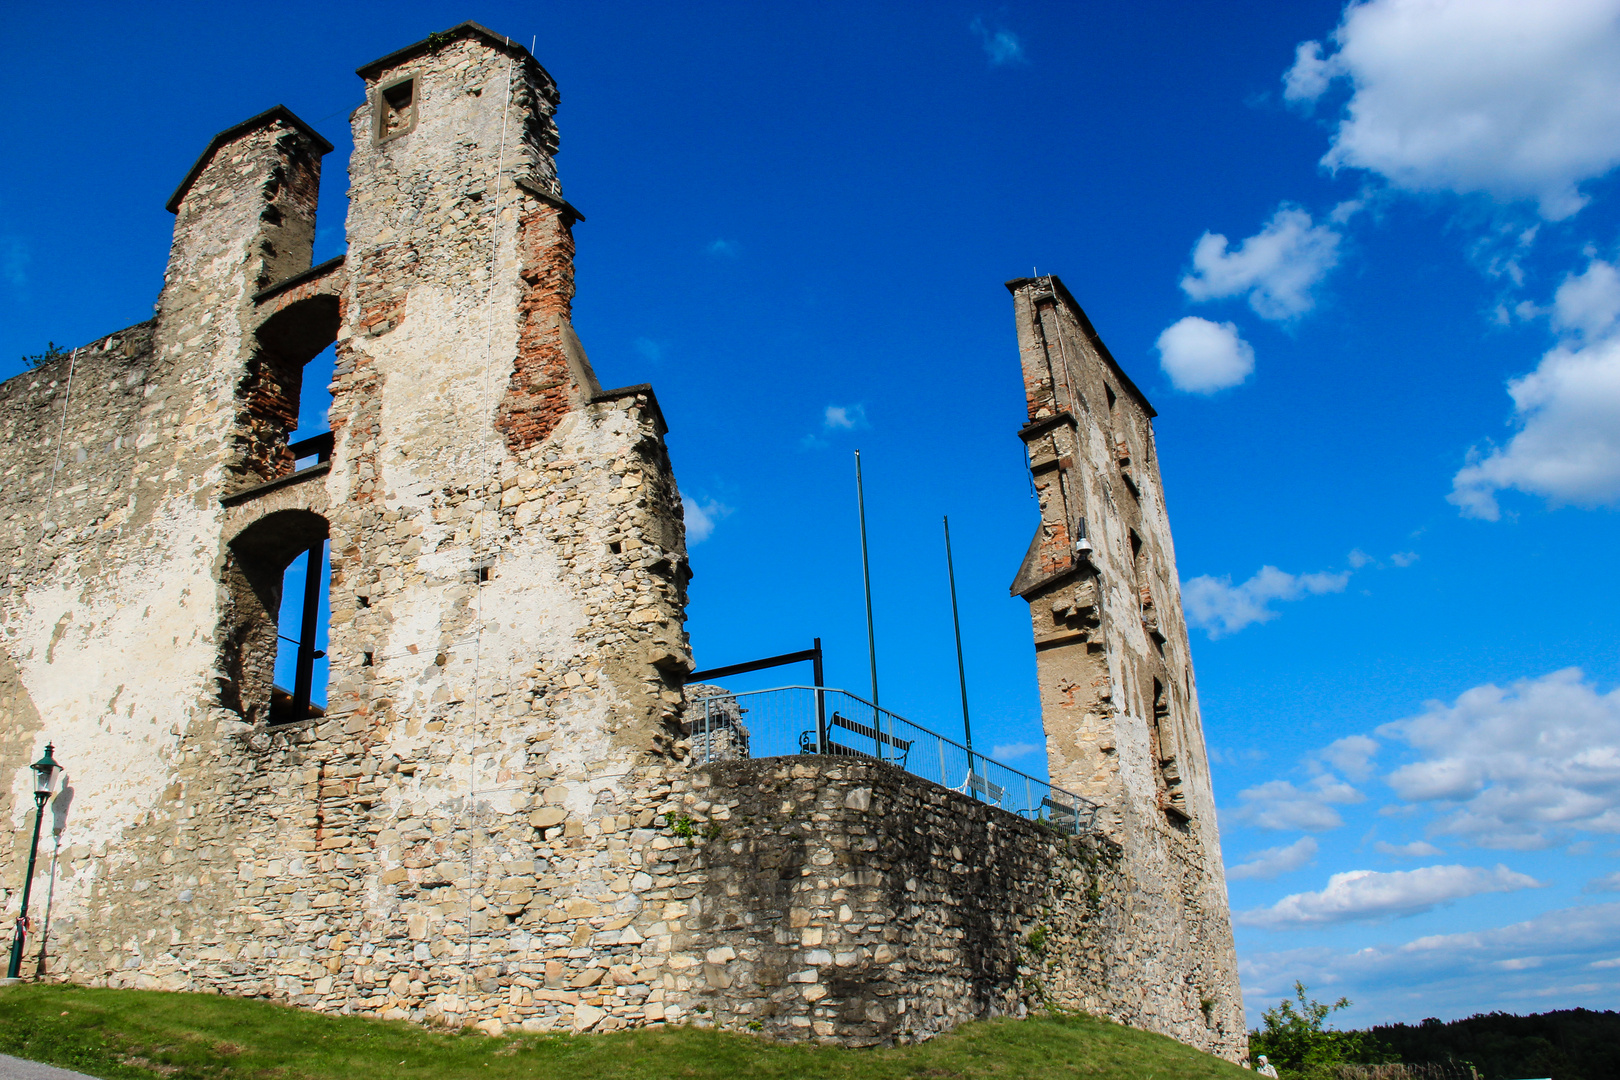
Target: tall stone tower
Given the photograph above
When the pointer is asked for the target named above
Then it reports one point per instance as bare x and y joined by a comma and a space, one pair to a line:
1118, 700
507, 585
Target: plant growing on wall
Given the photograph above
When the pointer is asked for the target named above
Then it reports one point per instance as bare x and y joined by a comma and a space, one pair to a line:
53, 351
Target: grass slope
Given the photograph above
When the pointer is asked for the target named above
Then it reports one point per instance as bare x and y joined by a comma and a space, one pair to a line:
142, 1035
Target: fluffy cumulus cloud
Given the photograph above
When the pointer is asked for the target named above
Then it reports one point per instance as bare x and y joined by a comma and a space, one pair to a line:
701, 517
1518, 767
1276, 269
1352, 755
1567, 956
1218, 607
1567, 411
1278, 804
1360, 895
1509, 98
1202, 357
1276, 861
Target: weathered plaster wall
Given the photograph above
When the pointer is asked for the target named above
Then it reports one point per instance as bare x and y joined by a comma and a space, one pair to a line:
1118, 699
113, 600
458, 836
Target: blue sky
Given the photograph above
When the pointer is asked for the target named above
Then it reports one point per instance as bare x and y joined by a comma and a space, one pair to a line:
1368, 283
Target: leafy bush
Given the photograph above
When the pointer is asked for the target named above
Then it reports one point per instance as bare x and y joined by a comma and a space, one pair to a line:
1299, 1043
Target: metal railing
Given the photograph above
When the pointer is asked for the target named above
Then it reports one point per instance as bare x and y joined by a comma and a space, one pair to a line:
792, 720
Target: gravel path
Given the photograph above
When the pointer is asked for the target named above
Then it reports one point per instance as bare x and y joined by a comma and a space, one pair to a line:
12, 1068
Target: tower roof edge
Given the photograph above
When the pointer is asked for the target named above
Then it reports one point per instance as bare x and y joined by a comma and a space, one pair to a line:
1060, 292
230, 134
444, 37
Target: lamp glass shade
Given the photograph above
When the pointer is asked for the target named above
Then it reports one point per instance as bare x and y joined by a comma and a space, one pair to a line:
45, 770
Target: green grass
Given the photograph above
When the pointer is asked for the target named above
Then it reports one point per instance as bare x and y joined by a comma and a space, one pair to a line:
141, 1035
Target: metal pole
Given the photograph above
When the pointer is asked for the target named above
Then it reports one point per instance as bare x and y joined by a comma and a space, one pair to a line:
866, 576
821, 700
15, 966
961, 668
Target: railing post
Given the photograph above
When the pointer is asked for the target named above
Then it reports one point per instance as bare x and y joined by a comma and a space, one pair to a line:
708, 733
821, 701
1029, 800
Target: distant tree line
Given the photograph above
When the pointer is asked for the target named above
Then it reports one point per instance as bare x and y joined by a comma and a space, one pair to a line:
1569, 1044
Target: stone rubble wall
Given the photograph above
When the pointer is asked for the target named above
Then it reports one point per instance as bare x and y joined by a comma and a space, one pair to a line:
853, 902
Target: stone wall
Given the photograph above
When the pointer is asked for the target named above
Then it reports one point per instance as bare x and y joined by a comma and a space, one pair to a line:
851, 900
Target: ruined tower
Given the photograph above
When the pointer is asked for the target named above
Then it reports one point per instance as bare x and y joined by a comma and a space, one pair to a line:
507, 578
1118, 700
496, 816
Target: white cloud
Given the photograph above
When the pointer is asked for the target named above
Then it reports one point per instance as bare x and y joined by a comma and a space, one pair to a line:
1352, 755
1278, 804
1202, 357
844, 418
1404, 558
729, 249
1521, 767
1369, 894
1003, 47
701, 517
1606, 883
1567, 448
1519, 968
1516, 100
1219, 607
1588, 303
1009, 751
1417, 849
1271, 862
1276, 268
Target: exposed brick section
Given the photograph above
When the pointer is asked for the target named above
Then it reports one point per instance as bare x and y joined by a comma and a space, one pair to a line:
542, 389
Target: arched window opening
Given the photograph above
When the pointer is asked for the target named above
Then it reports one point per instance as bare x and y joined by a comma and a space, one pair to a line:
285, 425
274, 666
310, 443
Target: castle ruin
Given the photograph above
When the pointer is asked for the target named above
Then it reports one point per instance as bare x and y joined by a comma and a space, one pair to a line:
476, 827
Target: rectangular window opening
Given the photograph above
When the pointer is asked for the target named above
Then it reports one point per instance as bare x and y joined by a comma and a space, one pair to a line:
396, 108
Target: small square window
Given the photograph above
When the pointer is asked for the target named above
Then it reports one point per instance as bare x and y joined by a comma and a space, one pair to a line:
396, 108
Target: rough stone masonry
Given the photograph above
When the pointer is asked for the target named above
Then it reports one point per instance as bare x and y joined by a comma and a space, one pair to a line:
495, 819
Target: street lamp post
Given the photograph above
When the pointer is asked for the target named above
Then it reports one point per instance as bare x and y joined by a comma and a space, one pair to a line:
45, 770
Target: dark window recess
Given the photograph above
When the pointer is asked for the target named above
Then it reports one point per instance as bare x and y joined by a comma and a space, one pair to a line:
1109, 390
396, 108
298, 660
